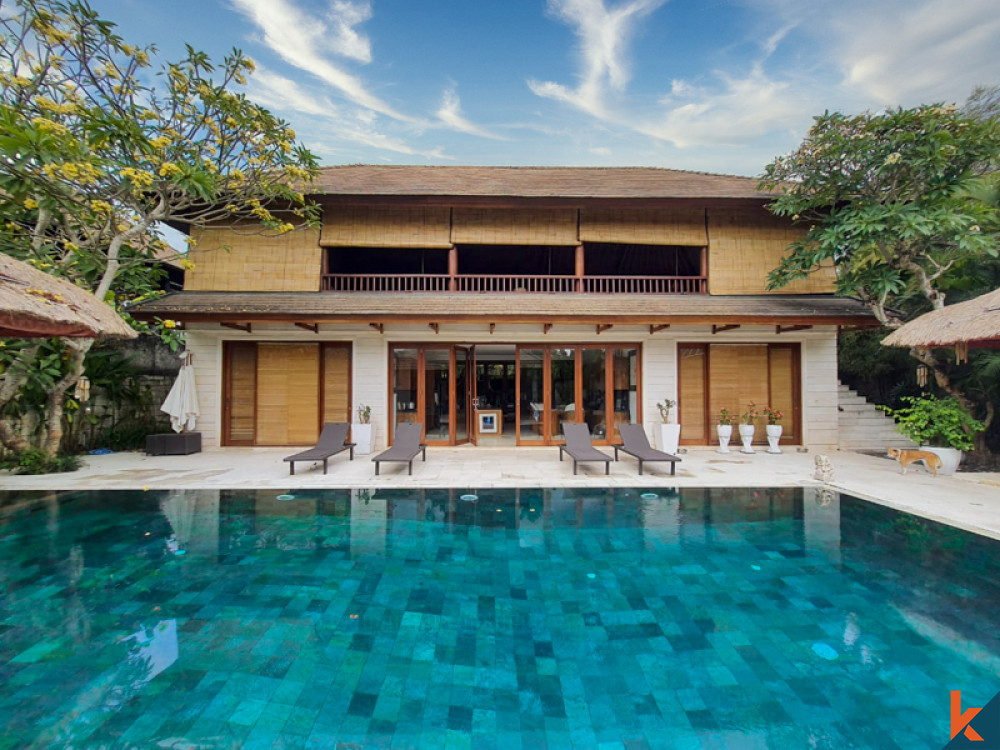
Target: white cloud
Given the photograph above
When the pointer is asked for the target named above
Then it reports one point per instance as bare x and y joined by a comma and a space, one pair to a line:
302, 40
603, 35
741, 111
450, 113
344, 16
284, 95
921, 52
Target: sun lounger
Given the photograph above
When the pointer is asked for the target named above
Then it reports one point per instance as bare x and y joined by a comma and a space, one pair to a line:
332, 440
635, 443
406, 446
579, 448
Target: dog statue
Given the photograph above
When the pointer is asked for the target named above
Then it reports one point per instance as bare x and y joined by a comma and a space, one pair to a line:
906, 457
824, 468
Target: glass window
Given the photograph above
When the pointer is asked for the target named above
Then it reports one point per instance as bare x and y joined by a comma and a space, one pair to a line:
594, 393
531, 409
625, 388
436, 405
404, 387
564, 406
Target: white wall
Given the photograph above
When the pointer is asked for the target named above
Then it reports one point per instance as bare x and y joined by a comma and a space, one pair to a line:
659, 363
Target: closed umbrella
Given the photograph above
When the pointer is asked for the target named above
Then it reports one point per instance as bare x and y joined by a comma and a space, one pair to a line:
182, 401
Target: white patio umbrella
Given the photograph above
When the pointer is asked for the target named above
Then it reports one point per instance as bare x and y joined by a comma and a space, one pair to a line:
182, 401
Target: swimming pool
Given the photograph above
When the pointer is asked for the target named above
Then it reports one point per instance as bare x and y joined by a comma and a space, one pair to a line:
512, 618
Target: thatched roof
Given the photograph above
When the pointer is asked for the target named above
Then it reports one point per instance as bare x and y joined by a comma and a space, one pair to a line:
533, 182
333, 307
34, 304
975, 323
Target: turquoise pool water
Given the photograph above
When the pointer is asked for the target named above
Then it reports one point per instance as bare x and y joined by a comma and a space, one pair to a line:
713, 618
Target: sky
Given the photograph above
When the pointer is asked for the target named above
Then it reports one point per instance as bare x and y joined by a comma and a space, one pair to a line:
708, 85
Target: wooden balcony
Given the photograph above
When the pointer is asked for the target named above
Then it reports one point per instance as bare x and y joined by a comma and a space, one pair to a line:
514, 284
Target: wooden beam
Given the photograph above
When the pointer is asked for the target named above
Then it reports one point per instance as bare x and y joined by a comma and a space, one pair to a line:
719, 329
493, 327
546, 327
237, 326
436, 327
314, 327
380, 327
786, 329
654, 329
603, 327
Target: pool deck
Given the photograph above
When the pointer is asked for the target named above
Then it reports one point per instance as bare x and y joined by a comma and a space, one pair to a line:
968, 500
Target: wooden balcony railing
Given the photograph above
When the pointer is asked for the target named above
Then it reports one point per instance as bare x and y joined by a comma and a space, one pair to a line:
513, 284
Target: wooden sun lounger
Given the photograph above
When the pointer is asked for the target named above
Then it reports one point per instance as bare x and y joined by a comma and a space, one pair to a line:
332, 440
406, 446
635, 443
579, 448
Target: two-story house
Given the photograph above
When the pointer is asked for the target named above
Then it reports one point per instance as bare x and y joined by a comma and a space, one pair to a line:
501, 302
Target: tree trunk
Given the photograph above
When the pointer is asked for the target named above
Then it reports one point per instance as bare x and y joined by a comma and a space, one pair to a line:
78, 349
11, 384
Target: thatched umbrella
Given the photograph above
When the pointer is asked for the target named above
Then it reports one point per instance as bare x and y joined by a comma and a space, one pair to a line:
975, 323
34, 304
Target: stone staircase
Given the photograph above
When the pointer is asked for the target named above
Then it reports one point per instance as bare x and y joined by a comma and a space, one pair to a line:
865, 428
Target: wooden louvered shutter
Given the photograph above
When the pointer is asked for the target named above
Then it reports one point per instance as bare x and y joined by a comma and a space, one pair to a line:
336, 383
241, 390
287, 394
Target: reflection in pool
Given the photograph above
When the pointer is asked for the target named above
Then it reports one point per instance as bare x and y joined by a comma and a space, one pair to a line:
740, 617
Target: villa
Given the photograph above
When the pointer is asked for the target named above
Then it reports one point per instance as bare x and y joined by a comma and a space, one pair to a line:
502, 302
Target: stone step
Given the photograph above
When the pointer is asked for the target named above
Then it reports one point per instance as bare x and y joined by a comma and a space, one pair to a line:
863, 427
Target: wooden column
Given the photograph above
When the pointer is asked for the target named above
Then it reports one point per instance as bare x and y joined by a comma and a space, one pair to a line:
704, 270
579, 268
452, 269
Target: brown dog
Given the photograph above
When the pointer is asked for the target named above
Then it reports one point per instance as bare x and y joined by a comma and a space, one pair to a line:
906, 457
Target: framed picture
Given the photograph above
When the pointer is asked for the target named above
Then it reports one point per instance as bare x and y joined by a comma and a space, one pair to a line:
488, 423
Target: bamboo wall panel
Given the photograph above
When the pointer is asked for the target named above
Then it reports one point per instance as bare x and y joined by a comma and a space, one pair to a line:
386, 226
691, 392
745, 245
497, 226
645, 226
242, 391
783, 369
269, 262
287, 394
337, 383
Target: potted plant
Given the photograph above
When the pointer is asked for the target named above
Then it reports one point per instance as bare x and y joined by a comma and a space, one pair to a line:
942, 426
772, 428
362, 432
747, 427
724, 429
669, 433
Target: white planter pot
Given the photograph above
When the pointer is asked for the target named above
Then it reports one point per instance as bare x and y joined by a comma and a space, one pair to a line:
364, 437
746, 435
668, 437
725, 432
950, 458
773, 436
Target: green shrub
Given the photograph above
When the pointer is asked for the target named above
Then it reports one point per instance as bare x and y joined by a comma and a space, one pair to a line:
36, 462
932, 421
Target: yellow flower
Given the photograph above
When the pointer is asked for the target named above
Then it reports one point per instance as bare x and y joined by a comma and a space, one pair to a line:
160, 141
167, 169
30, 204
101, 207
169, 324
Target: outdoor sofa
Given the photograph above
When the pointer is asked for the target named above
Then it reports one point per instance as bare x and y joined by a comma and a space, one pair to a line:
332, 440
405, 447
579, 448
635, 443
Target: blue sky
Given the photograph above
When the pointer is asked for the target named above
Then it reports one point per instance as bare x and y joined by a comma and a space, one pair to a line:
708, 85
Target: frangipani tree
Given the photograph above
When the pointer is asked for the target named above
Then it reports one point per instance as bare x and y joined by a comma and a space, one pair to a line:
889, 199
99, 147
